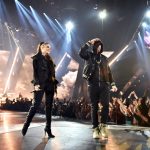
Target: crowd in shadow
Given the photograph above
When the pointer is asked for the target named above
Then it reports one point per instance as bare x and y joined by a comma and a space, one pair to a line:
131, 110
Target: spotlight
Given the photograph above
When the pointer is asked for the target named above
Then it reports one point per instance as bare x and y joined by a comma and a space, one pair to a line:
147, 14
69, 26
102, 14
118, 55
144, 24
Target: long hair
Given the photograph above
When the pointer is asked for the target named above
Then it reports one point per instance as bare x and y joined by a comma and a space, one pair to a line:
39, 46
48, 57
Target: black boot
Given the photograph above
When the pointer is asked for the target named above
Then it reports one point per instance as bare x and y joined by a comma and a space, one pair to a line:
30, 115
25, 128
48, 131
48, 121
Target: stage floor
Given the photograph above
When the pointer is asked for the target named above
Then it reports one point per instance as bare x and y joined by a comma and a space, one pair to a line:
70, 135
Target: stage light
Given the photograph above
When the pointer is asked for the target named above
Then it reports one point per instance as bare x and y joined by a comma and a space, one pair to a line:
40, 24
11, 71
144, 24
120, 53
26, 16
147, 14
20, 14
52, 24
69, 25
102, 14
61, 61
59, 24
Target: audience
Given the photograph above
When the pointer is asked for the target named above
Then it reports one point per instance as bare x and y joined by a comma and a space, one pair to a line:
131, 110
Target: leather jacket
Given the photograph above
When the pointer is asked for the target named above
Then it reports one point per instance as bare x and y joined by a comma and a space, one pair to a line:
97, 65
43, 71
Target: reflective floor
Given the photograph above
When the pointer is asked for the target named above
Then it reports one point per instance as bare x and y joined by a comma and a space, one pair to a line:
70, 135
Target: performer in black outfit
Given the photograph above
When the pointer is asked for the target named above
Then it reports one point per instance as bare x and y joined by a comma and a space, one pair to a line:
44, 82
98, 74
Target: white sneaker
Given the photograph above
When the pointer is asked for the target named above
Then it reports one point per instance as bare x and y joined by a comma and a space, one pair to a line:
103, 130
96, 133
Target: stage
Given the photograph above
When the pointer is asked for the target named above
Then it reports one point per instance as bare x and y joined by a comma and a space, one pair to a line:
70, 135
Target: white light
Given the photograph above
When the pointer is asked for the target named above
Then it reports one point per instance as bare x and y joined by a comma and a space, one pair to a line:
144, 24
69, 26
103, 14
147, 14
61, 61
11, 71
120, 53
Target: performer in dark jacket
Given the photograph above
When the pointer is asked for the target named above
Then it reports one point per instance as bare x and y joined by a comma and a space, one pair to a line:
44, 82
98, 74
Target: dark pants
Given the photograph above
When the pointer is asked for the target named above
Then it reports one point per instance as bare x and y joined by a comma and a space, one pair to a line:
99, 92
38, 95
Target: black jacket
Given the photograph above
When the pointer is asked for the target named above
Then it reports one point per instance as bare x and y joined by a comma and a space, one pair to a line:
91, 66
43, 70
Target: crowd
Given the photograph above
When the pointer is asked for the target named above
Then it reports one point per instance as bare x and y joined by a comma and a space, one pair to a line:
17, 104
131, 110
